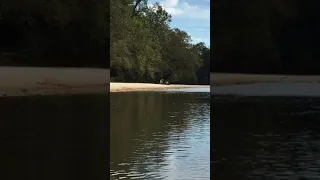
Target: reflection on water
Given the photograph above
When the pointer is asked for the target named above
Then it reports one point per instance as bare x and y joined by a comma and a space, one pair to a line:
54, 137
159, 135
266, 138
269, 89
188, 90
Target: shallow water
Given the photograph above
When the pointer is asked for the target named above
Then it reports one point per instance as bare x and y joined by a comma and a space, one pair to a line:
160, 135
269, 89
265, 138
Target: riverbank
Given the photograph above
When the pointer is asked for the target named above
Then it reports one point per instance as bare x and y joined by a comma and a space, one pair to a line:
218, 79
264, 85
25, 81
126, 87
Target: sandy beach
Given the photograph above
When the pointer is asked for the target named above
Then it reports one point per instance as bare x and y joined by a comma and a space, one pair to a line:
219, 79
24, 81
264, 85
125, 87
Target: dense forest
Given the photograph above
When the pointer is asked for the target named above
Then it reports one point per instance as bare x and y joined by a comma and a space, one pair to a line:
143, 47
54, 33
266, 36
77, 33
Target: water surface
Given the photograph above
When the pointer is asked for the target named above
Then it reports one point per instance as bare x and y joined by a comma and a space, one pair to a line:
265, 137
160, 135
54, 137
188, 90
269, 89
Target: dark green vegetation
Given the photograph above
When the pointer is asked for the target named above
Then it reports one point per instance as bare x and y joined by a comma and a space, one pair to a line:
266, 36
77, 33
54, 137
54, 33
145, 49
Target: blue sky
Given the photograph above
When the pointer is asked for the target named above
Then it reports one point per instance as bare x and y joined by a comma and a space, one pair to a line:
192, 16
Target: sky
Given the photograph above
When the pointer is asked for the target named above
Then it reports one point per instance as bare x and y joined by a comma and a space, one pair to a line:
191, 16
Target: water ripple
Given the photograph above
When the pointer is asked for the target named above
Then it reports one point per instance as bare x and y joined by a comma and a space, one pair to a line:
178, 150
287, 147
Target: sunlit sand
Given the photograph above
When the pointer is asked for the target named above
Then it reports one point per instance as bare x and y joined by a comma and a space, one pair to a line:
125, 87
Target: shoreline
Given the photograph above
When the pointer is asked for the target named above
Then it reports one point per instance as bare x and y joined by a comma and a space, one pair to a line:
130, 87
29, 81
223, 79
265, 85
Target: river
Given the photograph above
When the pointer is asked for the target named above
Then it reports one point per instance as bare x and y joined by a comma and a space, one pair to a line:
265, 137
160, 135
54, 137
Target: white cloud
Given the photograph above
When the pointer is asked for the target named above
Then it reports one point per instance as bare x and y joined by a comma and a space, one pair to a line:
186, 10
170, 7
170, 3
174, 11
196, 11
193, 18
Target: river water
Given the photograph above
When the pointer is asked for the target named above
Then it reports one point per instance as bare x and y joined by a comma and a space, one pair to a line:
54, 137
160, 135
265, 138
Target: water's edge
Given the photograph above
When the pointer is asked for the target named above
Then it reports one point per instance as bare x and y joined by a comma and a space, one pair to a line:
269, 89
26, 81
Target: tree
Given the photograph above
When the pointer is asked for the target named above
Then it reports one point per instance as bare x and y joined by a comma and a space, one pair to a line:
54, 33
146, 49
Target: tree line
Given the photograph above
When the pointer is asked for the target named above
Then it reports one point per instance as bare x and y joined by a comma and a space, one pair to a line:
143, 47
83, 33
266, 36
54, 33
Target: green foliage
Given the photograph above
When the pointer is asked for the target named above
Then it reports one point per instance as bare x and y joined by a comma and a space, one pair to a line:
54, 33
145, 49
266, 36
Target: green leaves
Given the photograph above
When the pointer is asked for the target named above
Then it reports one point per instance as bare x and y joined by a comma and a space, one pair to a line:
142, 45
57, 33
145, 45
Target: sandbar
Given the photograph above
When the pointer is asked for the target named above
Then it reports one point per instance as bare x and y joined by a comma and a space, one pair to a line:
127, 87
25, 81
218, 79
264, 85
